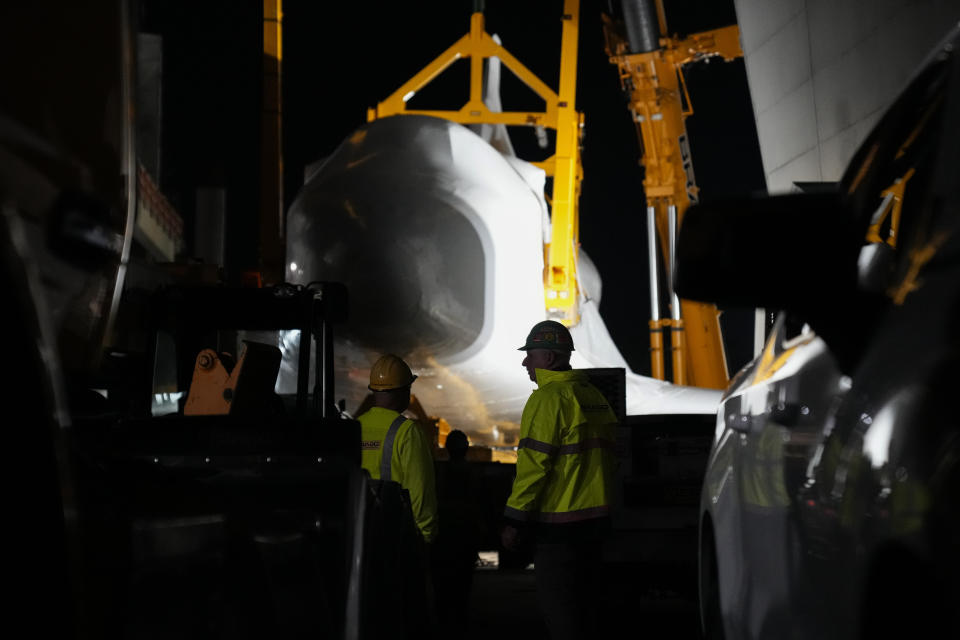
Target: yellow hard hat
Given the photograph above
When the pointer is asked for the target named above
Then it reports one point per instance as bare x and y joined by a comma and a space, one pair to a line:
390, 372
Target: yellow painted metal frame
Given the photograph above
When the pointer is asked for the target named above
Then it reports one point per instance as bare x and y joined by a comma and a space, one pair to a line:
560, 269
272, 232
891, 207
660, 104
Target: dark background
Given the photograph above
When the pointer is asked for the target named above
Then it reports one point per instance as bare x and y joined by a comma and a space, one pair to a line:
341, 58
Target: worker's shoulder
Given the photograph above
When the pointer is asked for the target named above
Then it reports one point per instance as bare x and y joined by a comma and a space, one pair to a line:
382, 418
409, 423
366, 418
550, 397
410, 428
545, 393
566, 385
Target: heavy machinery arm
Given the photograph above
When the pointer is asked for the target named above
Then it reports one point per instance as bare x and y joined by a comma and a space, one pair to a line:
651, 73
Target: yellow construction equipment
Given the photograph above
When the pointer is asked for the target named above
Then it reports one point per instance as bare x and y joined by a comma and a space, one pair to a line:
220, 387
560, 268
272, 233
651, 73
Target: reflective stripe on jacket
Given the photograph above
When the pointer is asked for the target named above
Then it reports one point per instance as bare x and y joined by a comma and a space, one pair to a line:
410, 463
565, 457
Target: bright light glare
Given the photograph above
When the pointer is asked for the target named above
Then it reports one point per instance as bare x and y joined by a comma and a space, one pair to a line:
165, 403
488, 559
293, 266
876, 441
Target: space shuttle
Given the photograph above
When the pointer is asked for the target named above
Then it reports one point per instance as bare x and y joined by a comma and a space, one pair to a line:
438, 230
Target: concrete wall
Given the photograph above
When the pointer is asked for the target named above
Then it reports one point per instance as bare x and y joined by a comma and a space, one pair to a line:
821, 72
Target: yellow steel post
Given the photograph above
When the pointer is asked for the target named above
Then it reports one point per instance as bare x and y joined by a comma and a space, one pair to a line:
892, 206
560, 286
476, 64
656, 325
660, 104
656, 349
678, 351
272, 249
661, 17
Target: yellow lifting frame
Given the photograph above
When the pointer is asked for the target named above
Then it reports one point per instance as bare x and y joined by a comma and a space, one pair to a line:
560, 255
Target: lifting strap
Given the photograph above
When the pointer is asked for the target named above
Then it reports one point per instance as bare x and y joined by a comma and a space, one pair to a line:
386, 453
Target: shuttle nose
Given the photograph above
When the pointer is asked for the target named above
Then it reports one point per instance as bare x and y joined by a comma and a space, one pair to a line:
381, 216
439, 240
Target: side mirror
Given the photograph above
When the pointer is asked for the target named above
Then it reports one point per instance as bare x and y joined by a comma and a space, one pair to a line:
785, 252
795, 252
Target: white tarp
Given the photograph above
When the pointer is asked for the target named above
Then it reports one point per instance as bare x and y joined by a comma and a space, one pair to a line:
387, 179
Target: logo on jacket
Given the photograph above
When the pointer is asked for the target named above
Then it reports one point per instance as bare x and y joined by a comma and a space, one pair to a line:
369, 444
594, 407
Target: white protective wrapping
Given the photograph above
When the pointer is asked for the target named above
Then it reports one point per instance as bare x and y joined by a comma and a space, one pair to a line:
480, 388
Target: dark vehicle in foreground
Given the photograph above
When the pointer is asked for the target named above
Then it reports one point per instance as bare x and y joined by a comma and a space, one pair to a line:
831, 502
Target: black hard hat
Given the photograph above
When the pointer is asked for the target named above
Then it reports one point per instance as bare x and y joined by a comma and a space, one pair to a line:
548, 334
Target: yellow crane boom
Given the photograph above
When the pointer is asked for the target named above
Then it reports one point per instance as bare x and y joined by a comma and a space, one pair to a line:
651, 72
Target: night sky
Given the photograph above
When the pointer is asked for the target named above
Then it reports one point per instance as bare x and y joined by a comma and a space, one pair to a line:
341, 58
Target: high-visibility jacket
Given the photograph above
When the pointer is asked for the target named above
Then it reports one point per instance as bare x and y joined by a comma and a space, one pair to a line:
394, 448
565, 457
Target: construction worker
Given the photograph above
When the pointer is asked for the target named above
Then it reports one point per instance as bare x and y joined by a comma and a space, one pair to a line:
394, 447
459, 495
561, 495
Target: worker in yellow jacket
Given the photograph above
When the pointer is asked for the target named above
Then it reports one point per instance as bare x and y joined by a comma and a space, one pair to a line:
564, 480
394, 447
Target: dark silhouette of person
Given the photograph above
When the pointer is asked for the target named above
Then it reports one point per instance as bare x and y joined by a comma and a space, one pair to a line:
461, 529
457, 446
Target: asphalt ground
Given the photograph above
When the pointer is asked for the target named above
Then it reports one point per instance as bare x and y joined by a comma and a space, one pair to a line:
503, 606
